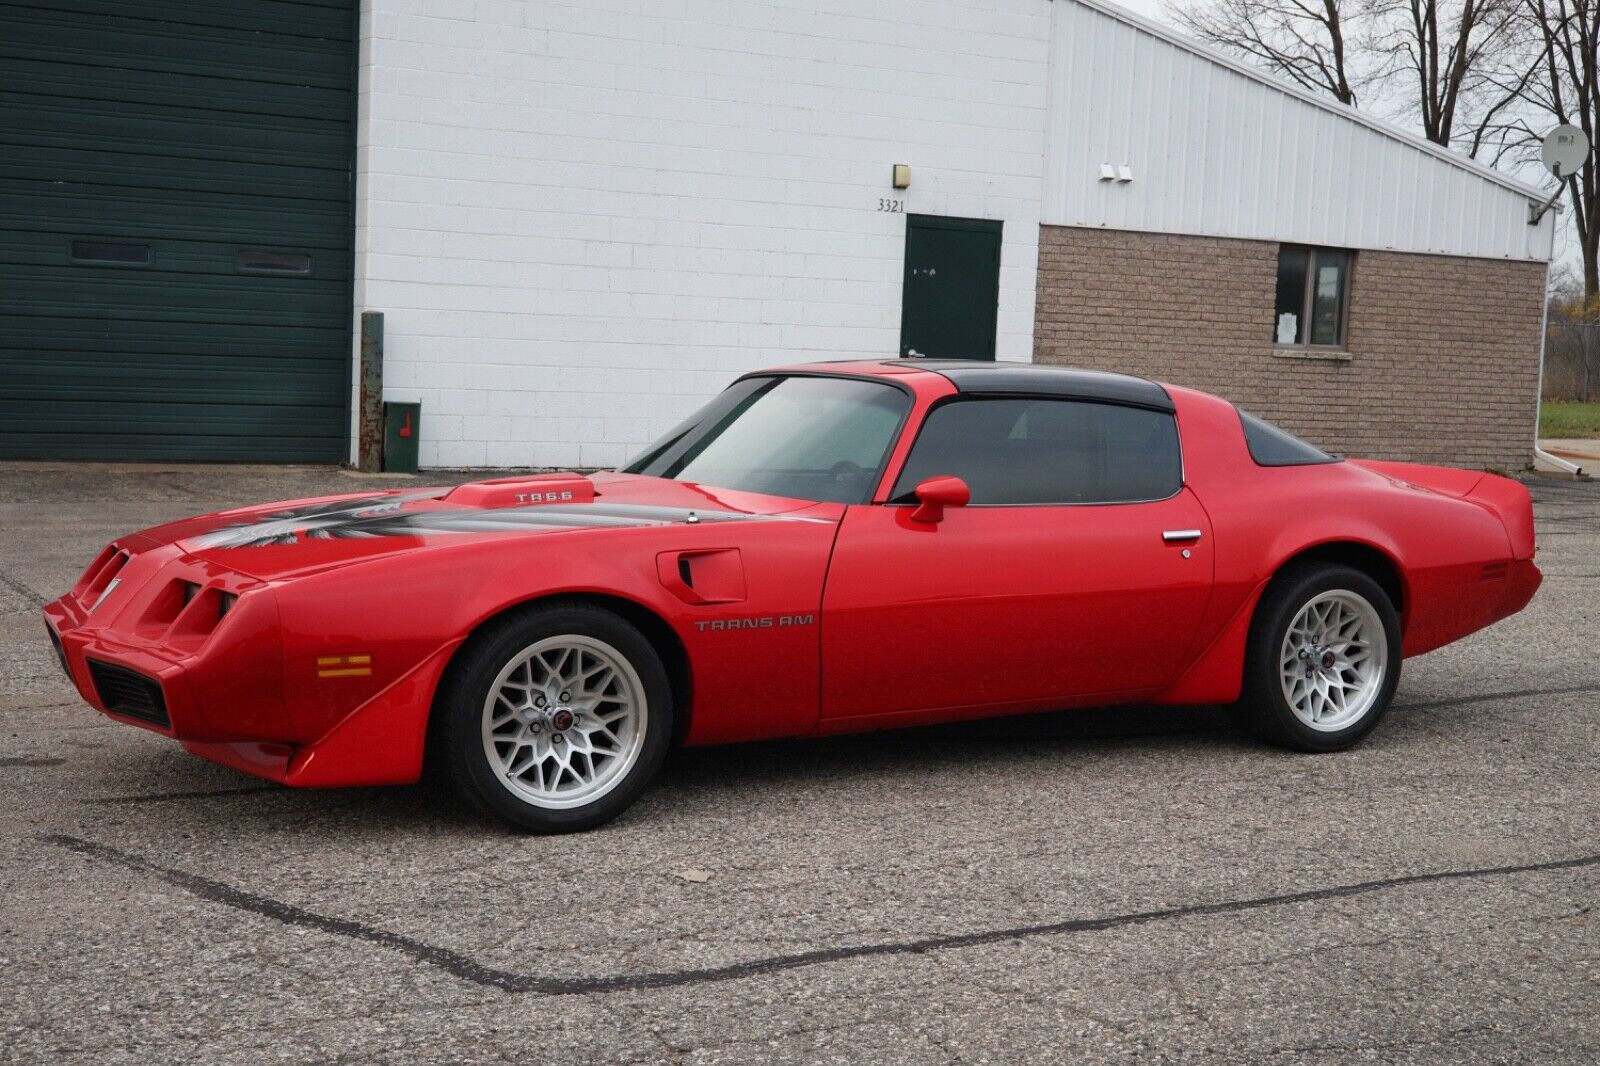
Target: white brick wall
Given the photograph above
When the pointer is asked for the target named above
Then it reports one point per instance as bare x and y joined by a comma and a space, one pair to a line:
582, 219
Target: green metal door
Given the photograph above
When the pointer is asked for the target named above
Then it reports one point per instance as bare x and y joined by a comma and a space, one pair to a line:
175, 229
951, 293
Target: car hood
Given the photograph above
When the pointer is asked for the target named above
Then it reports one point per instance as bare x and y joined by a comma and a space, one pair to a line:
291, 537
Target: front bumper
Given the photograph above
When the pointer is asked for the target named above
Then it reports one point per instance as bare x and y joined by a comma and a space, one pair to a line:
144, 649
163, 642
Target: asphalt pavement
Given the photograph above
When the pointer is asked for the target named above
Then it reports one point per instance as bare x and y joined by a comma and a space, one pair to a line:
1122, 885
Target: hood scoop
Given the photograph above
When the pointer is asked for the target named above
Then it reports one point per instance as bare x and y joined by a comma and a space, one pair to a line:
526, 491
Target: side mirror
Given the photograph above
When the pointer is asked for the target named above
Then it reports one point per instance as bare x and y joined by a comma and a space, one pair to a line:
937, 493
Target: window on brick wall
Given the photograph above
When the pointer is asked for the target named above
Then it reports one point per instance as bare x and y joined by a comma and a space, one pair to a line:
1313, 294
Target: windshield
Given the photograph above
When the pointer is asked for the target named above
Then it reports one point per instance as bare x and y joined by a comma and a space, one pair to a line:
810, 438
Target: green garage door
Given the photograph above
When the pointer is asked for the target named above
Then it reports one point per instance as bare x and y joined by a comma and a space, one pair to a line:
175, 228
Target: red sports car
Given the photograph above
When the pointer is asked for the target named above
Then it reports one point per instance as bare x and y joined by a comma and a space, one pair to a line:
821, 549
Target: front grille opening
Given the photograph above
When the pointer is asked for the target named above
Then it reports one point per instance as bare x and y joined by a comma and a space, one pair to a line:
167, 604
203, 609
104, 579
94, 568
129, 693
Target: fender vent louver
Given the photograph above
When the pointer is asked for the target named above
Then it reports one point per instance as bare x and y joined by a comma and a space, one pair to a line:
1495, 571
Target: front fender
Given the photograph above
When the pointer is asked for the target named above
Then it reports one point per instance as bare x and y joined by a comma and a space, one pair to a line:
395, 612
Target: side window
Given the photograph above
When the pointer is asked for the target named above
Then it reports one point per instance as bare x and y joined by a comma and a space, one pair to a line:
1024, 451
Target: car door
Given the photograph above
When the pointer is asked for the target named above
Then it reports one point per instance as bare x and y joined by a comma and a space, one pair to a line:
1080, 568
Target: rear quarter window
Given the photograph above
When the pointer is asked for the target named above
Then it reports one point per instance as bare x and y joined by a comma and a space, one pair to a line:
1271, 446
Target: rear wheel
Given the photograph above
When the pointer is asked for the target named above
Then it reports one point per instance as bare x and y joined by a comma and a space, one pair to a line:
1323, 660
555, 719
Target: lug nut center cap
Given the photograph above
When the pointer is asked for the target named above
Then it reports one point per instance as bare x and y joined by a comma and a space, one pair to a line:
562, 720
1327, 660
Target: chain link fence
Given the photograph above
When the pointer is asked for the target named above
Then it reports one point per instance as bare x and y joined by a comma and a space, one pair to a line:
1572, 362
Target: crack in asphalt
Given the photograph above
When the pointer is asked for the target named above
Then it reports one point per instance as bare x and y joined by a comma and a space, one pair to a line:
467, 969
22, 589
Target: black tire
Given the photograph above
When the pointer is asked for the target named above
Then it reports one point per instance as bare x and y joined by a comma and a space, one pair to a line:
1263, 709
457, 734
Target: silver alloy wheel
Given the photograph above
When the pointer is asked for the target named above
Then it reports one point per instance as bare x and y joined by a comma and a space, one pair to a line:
564, 721
1334, 659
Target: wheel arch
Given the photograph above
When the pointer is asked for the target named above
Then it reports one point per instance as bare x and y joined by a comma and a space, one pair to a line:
1363, 556
656, 629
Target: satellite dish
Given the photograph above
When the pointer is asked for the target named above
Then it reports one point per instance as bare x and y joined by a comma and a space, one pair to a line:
1564, 150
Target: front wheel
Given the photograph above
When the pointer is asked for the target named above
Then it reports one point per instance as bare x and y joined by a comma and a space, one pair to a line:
555, 719
1323, 660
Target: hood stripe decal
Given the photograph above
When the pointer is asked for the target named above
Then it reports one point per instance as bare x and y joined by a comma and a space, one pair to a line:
381, 517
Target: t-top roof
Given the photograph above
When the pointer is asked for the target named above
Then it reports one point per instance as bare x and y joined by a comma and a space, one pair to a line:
991, 378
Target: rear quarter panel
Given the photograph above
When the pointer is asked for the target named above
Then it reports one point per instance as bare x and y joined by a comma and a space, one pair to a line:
1262, 517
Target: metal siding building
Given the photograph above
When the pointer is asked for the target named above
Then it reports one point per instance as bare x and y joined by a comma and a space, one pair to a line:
1220, 149
580, 220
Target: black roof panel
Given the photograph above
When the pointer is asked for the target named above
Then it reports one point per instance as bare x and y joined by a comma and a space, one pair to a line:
987, 377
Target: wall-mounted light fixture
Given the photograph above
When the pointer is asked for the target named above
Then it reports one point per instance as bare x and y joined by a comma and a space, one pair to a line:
902, 176
1118, 172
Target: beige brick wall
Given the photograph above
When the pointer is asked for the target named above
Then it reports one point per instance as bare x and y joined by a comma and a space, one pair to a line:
1444, 351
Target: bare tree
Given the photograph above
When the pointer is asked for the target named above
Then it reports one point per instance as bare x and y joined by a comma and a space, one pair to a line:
1306, 41
1459, 66
1566, 89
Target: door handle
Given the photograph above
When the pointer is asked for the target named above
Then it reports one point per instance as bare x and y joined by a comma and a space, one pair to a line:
1180, 536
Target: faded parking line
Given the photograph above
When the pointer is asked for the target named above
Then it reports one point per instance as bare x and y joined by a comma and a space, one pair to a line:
459, 965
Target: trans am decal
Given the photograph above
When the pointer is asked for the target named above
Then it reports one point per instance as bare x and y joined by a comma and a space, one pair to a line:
765, 621
384, 516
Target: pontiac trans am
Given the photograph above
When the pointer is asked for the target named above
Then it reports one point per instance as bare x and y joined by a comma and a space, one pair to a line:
821, 549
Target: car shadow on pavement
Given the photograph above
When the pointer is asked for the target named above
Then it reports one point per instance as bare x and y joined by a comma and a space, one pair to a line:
999, 740
226, 799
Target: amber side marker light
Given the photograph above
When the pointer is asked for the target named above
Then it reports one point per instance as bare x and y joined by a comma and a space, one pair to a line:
344, 666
